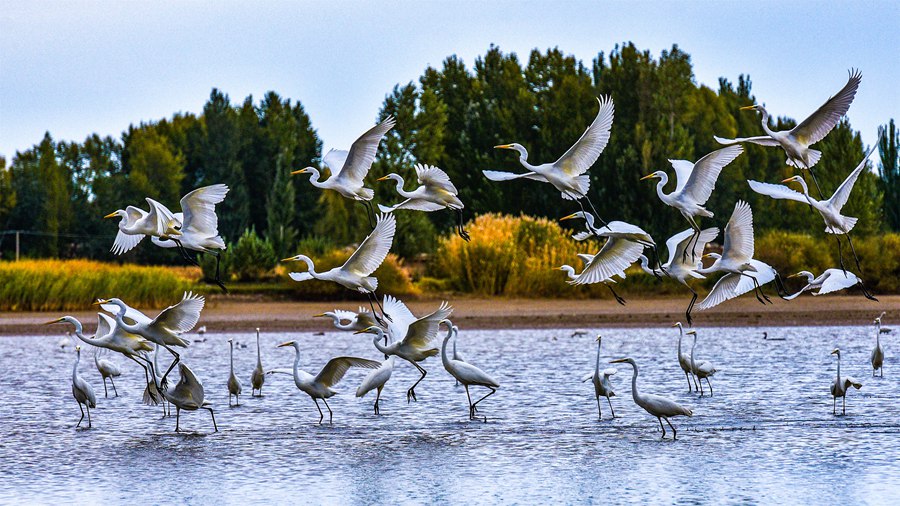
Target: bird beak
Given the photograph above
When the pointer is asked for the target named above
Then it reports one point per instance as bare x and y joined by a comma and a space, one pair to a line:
318, 315
54, 321
289, 343
617, 361
648, 176
291, 259
503, 146
363, 331
793, 276
301, 171
675, 324
599, 338
747, 108
788, 180
383, 178
100, 301
569, 217
110, 215
835, 352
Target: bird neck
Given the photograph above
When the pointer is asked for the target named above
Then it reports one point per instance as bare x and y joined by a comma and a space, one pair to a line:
589, 220
569, 270
597, 363
839, 367
454, 348
96, 360
398, 179
120, 321
258, 353
156, 361
379, 335
878, 335
314, 176
444, 358
75, 367
634, 389
680, 336
297, 366
311, 268
231, 358
663, 181
693, 346
79, 332
765, 122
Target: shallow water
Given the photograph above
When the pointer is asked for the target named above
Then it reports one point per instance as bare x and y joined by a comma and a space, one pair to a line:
768, 434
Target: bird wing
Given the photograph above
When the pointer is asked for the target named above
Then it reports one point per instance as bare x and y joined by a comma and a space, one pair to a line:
362, 153
431, 176
762, 140
609, 371
585, 258
105, 324
675, 245
582, 236
706, 171
579, 158
199, 208
183, 316
343, 314
334, 160
587, 377
496, 175
613, 258
125, 242
777, 191
706, 235
132, 314
818, 124
374, 248
417, 205
683, 169
723, 290
425, 329
401, 316
837, 280
161, 216
842, 194
739, 233
337, 367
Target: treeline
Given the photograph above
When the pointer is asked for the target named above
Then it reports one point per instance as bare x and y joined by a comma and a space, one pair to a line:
452, 117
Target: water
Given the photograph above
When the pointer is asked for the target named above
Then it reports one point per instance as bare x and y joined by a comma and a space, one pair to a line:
767, 435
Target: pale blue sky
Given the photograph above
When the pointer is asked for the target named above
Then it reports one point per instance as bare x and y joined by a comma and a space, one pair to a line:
77, 67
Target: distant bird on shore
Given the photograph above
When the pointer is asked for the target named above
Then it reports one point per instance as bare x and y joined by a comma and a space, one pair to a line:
840, 386
82, 391
435, 193
466, 373
767, 338
258, 378
602, 387
234, 384
107, 369
661, 407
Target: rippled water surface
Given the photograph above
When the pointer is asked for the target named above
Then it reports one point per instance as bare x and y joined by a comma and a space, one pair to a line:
768, 434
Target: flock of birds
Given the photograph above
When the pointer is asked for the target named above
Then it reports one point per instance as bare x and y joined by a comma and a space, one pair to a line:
397, 333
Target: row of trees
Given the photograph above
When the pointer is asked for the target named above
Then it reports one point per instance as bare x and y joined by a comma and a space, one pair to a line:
451, 118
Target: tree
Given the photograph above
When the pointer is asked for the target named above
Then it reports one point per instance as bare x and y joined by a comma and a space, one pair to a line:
280, 229
889, 173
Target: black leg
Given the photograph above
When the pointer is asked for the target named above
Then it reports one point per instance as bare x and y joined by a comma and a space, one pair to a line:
687, 313
599, 413
88, 408
411, 393
82, 415
330, 414
378, 398
610, 407
461, 228
218, 279
661, 426
469, 398
162, 382
105, 392
855, 257
114, 386
840, 254
213, 418
620, 300
710, 386
674, 434
321, 416
596, 214
177, 418
688, 377
493, 390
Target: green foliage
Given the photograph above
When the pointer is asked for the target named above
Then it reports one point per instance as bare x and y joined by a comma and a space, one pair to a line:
252, 258
280, 211
889, 173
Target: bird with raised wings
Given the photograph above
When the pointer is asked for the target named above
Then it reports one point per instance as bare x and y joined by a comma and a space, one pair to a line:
435, 193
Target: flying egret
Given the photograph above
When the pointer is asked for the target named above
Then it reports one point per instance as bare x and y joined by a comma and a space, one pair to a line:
358, 320
602, 387
82, 390
108, 369
164, 330
829, 281
188, 395
376, 380
319, 386
733, 285
796, 141
616, 255
412, 341
586, 260
840, 386
618, 229
657, 405
877, 357
466, 373
702, 369
694, 184
684, 359
259, 374
234, 384
830, 210
356, 272
135, 224
349, 168
198, 225
435, 193
568, 174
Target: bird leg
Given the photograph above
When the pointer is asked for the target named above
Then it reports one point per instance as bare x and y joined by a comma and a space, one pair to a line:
460, 229
321, 416
599, 413
88, 408
674, 434
620, 300
843, 408
815, 181
105, 392
82, 415
834, 405
147, 375
661, 426
855, 257
177, 418
610, 407
469, 398
218, 279
377, 398
229, 399
687, 313
596, 214
840, 255
369, 212
113, 385
372, 301
330, 414
213, 418
412, 390
184, 253
475, 406
688, 377
757, 290
779, 285
162, 382
655, 261
710, 386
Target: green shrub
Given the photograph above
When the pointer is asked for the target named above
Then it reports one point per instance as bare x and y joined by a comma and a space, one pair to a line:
252, 258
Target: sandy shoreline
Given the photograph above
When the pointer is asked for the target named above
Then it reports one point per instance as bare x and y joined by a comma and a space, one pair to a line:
229, 315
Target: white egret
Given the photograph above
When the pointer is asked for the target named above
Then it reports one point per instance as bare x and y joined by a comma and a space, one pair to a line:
616, 255
702, 369
356, 272
376, 380
165, 330
466, 373
657, 405
733, 285
457, 356
602, 387
82, 390
568, 174
107, 369
349, 168
877, 356
829, 281
694, 184
684, 359
258, 378
796, 141
234, 384
618, 229
413, 339
319, 386
187, 394
586, 260
840, 386
435, 193
65, 340
358, 320
830, 210
135, 224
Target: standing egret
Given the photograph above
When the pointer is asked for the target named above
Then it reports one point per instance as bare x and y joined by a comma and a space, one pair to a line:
349, 168
376, 380
466, 373
586, 260
187, 394
877, 357
796, 141
684, 359
702, 369
356, 272
829, 281
657, 405
602, 387
568, 174
694, 184
830, 210
358, 320
414, 340
319, 386
82, 390
840, 386
259, 374
437, 192
234, 384
107, 369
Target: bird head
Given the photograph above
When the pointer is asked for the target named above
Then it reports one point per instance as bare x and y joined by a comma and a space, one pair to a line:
691, 332
389, 176
288, 343
658, 174
599, 337
119, 212
877, 321
368, 330
622, 361
231, 340
676, 324
295, 258
301, 171
78, 349
794, 179
801, 273
64, 319
573, 216
754, 107
837, 352
515, 147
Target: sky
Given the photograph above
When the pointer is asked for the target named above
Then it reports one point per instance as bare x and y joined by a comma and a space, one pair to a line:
78, 67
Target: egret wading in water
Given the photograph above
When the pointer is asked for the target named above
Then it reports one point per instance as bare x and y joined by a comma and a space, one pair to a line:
349, 168
234, 384
356, 272
832, 280
877, 356
258, 378
568, 174
187, 394
702, 369
661, 407
82, 390
435, 193
684, 359
107, 369
840, 386
376, 380
466, 373
602, 387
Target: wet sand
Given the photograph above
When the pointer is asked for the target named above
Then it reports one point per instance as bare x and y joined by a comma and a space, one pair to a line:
230, 314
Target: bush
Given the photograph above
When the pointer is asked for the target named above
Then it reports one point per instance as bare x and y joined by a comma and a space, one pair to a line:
252, 258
